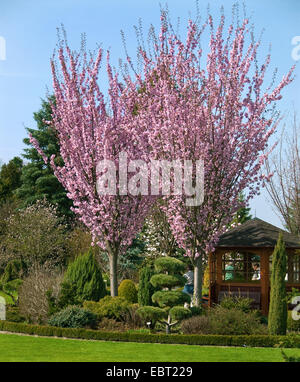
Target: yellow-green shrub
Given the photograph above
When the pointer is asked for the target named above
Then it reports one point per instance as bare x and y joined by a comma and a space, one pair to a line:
128, 291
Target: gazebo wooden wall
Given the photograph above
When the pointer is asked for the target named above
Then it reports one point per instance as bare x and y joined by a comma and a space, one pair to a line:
262, 286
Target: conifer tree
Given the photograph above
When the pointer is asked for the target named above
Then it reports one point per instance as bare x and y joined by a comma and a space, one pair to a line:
146, 289
278, 304
84, 278
38, 180
10, 179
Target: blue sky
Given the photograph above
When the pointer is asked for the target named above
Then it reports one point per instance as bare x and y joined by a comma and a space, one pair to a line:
29, 29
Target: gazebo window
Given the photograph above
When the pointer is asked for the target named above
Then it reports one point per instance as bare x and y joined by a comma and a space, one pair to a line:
240, 267
293, 268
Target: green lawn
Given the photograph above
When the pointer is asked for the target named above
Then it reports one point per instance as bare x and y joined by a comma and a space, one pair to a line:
38, 349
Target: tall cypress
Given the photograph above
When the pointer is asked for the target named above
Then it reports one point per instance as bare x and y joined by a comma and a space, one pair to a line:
146, 289
278, 304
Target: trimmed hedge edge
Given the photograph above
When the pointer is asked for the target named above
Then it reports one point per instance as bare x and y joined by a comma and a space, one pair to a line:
289, 341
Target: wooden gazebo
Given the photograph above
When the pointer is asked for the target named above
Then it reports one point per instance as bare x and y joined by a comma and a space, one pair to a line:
240, 265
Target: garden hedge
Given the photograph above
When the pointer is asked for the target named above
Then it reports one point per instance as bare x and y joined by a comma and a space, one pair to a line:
292, 341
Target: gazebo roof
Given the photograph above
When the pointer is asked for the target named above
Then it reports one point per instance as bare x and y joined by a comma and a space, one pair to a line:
256, 233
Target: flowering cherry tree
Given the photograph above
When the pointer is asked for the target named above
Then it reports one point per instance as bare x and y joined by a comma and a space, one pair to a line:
89, 131
214, 109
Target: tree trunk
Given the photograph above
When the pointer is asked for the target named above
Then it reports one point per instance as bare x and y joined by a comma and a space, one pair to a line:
168, 327
113, 266
197, 298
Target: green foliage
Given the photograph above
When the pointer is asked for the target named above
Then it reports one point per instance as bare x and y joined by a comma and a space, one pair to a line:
277, 319
146, 289
13, 314
224, 321
240, 303
129, 262
196, 310
151, 313
128, 290
83, 276
67, 296
236, 322
291, 341
170, 298
73, 317
38, 180
243, 214
179, 313
13, 270
167, 281
11, 288
292, 325
294, 293
10, 179
110, 307
169, 264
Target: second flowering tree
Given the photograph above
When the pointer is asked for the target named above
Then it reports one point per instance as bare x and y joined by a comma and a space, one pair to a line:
213, 106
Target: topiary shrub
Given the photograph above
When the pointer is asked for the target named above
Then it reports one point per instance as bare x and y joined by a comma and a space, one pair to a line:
146, 289
82, 281
169, 264
179, 313
109, 307
128, 290
73, 317
168, 278
151, 314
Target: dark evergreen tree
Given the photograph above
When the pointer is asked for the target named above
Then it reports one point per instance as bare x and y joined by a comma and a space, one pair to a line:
277, 319
38, 180
243, 214
83, 279
146, 289
129, 261
10, 179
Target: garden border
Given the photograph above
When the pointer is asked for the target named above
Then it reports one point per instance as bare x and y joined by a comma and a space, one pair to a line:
288, 341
